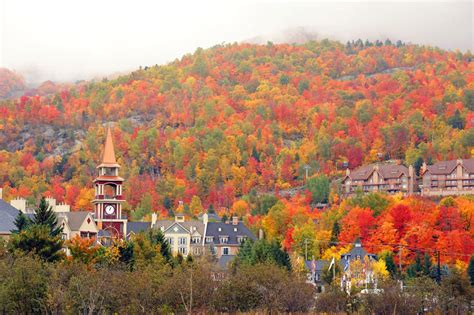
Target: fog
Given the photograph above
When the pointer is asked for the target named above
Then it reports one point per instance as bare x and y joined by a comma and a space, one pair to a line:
73, 40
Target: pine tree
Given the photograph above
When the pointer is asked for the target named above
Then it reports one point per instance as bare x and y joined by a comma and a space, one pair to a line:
21, 222
335, 234
45, 215
390, 264
37, 239
157, 238
427, 265
470, 270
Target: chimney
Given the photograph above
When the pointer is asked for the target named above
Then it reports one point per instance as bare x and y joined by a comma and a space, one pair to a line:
51, 202
235, 220
459, 161
154, 218
19, 204
179, 218
205, 218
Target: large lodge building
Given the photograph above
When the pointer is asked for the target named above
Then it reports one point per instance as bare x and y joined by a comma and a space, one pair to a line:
444, 178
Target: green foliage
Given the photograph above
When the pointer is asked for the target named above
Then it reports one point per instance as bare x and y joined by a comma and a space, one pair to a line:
375, 201
468, 99
21, 222
263, 204
23, 286
284, 79
37, 239
470, 270
303, 85
456, 121
262, 251
336, 229
467, 139
44, 215
319, 188
390, 264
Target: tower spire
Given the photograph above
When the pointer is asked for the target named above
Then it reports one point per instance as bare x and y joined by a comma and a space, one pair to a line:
108, 157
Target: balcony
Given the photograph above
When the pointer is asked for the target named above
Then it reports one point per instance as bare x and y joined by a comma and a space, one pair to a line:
109, 197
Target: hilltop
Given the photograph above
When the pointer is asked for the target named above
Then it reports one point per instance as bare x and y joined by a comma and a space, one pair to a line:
236, 119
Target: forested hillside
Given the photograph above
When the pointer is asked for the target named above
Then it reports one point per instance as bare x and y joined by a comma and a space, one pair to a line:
224, 121
229, 127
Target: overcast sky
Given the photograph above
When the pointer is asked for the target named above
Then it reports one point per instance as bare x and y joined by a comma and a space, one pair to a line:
80, 39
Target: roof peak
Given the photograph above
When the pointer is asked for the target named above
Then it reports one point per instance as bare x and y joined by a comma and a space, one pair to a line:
108, 156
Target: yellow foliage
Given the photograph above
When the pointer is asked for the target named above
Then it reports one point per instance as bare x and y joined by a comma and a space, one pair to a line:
380, 269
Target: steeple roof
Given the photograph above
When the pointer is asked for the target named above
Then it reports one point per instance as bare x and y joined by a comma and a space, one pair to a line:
108, 157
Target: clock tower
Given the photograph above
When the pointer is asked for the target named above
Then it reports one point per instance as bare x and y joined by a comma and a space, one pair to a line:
108, 194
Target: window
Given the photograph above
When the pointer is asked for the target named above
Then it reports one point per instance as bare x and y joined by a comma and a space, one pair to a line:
169, 240
196, 240
197, 251
241, 239
209, 239
182, 241
224, 239
64, 236
183, 250
225, 250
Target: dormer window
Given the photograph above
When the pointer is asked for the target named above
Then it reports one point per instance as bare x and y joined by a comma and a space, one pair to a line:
209, 239
223, 239
219, 229
235, 229
241, 239
196, 240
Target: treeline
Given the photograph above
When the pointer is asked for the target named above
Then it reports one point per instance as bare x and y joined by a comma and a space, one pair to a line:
29, 285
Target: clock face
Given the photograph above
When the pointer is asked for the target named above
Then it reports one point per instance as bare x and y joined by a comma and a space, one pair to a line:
109, 209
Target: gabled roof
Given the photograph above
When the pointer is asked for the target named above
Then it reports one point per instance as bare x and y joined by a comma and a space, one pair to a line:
75, 219
357, 250
320, 265
7, 217
447, 167
230, 230
137, 227
386, 171
190, 226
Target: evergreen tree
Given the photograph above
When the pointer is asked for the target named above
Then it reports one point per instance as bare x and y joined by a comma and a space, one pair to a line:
417, 165
21, 222
456, 121
335, 234
427, 265
319, 188
416, 268
37, 239
470, 270
390, 265
262, 251
157, 238
211, 209
126, 254
44, 215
